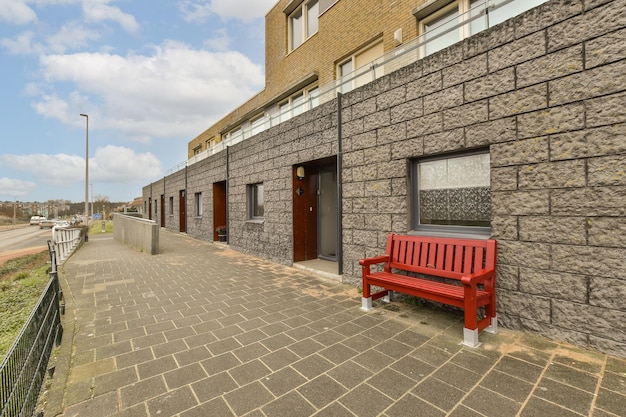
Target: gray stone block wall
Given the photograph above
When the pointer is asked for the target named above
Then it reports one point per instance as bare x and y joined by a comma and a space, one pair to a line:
200, 178
173, 184
151, 194
545, 92
269, 158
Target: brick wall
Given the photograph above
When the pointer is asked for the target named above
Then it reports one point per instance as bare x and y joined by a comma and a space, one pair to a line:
545, 92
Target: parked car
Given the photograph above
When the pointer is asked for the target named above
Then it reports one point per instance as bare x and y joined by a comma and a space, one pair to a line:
61, 224
46, 223
34, 220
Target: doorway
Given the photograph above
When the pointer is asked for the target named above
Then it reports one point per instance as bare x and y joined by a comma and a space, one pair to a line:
315, 211
162, 210
327, 213
182, 210
219, 207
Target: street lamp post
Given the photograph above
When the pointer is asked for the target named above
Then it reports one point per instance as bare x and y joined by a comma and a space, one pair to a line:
86, 116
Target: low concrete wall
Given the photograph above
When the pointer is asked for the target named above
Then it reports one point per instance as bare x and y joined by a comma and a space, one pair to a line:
140, 234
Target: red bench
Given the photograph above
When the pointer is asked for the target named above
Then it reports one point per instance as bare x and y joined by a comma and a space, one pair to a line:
466, 268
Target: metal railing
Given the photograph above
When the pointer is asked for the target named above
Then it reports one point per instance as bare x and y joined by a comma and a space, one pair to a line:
482, 16
65, 242
23, 370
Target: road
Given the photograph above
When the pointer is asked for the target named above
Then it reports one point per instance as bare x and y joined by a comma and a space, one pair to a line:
21, 240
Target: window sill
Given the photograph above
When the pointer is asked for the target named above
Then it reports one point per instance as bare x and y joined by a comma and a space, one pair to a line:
255, 221
291, 51
458, 233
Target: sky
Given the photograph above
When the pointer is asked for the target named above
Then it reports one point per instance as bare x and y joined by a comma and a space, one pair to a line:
150, 74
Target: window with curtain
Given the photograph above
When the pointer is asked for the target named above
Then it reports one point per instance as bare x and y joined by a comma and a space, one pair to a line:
452, 191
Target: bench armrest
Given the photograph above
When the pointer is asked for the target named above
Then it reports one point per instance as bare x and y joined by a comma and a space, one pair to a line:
374, 260
478, 277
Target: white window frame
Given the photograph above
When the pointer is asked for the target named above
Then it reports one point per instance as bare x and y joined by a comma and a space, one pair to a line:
312, 97
234, 134
500, 10
258, 124
256, 211
441, 229
198, 204
307, 29
298, 103
341, 73
357, 81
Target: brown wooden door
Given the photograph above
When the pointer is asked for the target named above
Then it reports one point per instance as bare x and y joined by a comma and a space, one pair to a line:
182, 209
162, 210
219, 206
305, 215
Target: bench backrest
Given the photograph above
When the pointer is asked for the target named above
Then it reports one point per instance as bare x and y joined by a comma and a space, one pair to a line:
450, 257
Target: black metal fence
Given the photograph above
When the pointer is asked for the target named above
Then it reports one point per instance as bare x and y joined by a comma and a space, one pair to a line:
23, 370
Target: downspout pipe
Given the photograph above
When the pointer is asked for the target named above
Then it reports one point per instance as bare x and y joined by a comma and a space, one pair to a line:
227, 192
339, 187
186, 194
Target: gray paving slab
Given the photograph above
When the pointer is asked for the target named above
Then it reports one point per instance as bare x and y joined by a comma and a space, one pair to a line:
202, 330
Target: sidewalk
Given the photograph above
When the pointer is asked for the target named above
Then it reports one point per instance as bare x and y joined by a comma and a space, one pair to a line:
201, 330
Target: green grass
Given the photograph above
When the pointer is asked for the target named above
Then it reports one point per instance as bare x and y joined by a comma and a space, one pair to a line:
96, 227
22, 280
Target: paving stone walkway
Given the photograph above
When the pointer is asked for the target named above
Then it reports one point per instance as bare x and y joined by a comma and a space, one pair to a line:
200, 330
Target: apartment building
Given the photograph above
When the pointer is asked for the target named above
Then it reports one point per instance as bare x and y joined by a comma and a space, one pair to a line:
458, 118
319, 43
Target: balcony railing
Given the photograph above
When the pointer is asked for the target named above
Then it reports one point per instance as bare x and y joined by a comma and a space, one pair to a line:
481, 16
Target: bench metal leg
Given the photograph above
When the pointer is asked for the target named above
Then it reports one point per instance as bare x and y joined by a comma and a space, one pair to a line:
366, 303
470, 337
493, 328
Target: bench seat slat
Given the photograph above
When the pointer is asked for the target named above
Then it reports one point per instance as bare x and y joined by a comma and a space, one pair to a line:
426, 287
427, 271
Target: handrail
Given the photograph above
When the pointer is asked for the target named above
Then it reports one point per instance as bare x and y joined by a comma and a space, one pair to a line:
66, 240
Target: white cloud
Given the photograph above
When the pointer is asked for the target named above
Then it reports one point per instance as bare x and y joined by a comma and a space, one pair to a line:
22, 44
111, 164
220, 41
16, 12
11, 187
99, 10
54, 2
71, 36
114, 164
176, 92
246, 10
